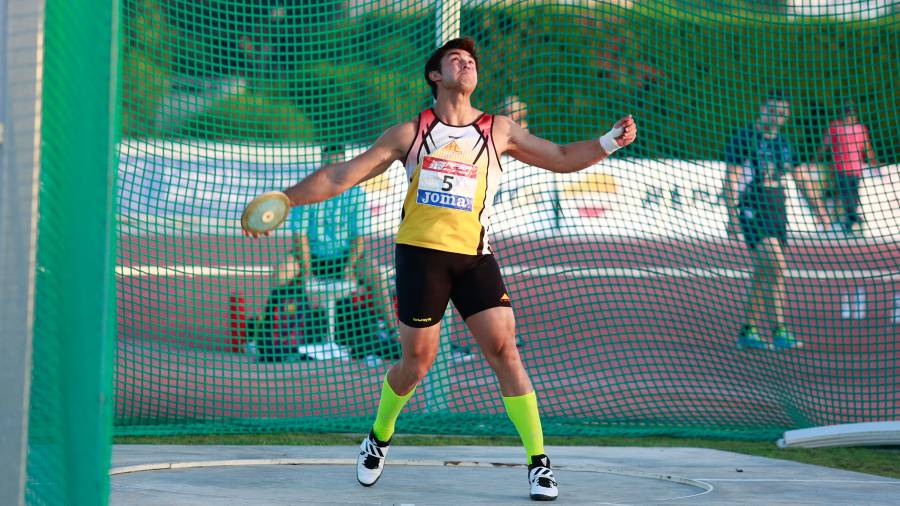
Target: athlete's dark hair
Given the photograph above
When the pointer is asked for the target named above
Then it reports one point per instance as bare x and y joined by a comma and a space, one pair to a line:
434, 62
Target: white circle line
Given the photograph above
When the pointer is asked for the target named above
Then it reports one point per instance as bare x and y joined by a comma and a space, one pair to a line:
633, 473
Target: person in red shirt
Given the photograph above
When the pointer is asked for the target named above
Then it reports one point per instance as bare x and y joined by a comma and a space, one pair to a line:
847, 141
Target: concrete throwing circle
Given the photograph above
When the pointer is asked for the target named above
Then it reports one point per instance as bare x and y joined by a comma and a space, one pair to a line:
333, 481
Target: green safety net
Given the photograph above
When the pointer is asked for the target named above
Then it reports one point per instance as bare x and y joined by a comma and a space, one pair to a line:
69, 413
630, 297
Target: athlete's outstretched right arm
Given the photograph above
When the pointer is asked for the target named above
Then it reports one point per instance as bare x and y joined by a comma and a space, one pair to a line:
331, 180
526, 147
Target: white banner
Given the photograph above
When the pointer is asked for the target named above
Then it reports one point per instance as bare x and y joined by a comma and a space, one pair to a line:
639, 198
619, 197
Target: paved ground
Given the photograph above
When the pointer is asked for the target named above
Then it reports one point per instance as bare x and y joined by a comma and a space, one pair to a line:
145, 475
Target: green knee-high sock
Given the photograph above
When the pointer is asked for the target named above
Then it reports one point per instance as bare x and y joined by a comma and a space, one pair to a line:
523, 411
389, 408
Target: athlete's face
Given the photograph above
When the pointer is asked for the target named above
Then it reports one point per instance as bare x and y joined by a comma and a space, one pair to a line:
458, 70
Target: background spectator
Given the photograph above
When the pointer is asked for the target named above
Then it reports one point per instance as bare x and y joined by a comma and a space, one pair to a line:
848, 145
759, 212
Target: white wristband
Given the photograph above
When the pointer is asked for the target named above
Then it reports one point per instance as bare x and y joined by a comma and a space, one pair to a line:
608, 141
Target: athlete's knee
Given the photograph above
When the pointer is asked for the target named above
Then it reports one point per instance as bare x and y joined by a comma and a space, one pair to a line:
501, 351
417, 360
416, 366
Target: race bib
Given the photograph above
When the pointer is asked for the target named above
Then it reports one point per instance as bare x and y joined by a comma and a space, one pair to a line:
445, 183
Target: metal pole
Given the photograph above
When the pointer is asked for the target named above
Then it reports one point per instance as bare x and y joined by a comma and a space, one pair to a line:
20, 105
77, 253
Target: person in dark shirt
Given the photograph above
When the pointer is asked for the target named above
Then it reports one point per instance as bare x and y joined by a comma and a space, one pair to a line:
758, 212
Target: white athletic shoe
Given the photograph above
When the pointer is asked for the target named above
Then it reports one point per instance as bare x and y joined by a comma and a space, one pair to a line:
543, 484
370, 462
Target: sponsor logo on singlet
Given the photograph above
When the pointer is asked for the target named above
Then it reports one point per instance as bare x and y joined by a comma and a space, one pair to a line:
447, 183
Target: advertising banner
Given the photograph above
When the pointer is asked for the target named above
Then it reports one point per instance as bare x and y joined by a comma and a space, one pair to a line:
204, 189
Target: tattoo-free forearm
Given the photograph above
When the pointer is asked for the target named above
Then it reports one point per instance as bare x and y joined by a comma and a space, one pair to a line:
319, 186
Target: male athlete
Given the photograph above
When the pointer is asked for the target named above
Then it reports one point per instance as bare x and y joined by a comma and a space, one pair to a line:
759, 213
452, 157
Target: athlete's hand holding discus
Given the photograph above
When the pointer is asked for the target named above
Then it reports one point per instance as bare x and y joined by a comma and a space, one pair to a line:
269, 210
265, 213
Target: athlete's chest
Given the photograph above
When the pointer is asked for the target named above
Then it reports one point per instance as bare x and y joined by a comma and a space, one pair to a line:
451, 168
461, 144
466, 136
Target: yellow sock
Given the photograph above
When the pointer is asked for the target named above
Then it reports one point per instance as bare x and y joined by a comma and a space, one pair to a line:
389, 408
523, 412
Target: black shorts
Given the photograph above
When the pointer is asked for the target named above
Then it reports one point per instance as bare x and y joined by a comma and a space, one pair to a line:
427, 279
763, 214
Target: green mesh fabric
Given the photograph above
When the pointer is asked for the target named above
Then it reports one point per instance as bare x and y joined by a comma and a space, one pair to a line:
628, 294
71, 403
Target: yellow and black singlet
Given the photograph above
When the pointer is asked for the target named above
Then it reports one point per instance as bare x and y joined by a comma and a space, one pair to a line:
453, 174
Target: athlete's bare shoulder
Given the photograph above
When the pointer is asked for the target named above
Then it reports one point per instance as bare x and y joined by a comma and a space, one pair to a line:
503, 131
502, 123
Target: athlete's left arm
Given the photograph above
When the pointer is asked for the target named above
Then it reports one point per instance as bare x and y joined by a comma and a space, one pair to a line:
533, 150
333, 179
